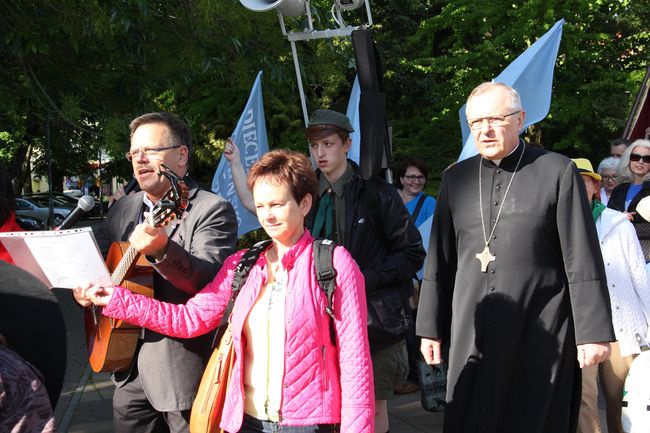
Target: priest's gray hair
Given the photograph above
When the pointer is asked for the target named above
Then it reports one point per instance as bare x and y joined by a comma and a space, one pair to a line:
609, 163
624, 173
514, 100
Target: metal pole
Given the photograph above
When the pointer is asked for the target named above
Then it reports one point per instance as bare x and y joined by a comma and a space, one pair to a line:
50, 215
303, 101
101, 185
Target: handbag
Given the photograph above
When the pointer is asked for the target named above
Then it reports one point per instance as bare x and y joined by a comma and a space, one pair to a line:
211, 396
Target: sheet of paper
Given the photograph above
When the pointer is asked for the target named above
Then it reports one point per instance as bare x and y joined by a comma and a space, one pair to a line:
65, 258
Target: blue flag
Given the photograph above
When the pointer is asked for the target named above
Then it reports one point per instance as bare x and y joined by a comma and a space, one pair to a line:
531, 75
353, 114
250, 137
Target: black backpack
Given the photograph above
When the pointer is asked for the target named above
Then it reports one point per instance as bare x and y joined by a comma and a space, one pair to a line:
325, 273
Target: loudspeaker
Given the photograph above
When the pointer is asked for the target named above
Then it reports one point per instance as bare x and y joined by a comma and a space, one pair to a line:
288, 8
348, 5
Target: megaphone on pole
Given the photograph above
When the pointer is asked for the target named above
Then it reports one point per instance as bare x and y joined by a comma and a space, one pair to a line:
288, 8
348, 5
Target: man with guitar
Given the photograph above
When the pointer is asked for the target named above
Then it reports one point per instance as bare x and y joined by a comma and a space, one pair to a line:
156, 388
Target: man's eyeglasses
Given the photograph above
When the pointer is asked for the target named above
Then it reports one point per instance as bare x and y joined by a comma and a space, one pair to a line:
609, 178
636, 157
476, 124
148, 151
411, 178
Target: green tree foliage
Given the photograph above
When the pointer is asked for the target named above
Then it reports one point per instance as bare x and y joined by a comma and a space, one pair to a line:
437, 51
87, 68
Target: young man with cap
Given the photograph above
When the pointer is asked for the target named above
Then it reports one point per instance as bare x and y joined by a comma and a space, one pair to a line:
369, 219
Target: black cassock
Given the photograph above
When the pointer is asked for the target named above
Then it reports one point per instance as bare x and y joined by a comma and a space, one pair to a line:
514, 328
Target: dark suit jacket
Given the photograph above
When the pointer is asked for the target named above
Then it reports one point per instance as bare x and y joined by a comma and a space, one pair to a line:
617, 199
171, 368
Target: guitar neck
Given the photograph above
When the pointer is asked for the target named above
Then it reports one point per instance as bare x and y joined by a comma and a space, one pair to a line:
126, 263
128, 259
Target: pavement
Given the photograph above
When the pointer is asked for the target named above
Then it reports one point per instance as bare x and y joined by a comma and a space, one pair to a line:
85, 404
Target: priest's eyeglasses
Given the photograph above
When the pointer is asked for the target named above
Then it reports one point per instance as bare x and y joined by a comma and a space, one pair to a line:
476, 124
147, 151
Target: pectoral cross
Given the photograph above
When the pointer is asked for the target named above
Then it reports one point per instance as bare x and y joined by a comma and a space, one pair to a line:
485, 257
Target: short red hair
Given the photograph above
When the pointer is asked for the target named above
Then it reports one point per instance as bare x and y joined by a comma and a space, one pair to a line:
286, 166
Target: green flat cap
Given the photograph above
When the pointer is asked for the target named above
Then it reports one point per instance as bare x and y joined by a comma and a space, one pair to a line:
321, 119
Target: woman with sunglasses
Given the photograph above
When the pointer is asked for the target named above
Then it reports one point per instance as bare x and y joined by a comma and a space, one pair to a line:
634, 178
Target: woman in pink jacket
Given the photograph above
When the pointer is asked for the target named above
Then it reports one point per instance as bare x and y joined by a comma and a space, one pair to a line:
288, 374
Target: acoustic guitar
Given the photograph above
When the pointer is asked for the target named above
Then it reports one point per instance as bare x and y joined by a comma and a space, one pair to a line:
112, 343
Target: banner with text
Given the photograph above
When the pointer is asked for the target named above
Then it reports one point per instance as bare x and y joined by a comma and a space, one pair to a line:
251, 139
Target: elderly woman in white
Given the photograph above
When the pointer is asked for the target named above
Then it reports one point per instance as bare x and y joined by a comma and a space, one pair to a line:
629, 292
607, 169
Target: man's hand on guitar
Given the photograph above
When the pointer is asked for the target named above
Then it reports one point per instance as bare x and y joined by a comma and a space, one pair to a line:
100, 296
150, 241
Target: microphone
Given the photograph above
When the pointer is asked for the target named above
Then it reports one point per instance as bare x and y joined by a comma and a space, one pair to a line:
131, 186
85, 204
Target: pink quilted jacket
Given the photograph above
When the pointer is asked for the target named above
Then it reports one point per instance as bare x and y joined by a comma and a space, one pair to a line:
323, 384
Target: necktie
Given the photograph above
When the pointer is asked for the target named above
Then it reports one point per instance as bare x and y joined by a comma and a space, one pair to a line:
324, 216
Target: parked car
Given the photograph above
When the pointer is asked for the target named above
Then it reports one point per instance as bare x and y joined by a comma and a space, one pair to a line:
73, 192
64, 200
58, 199
34, 209
29, 224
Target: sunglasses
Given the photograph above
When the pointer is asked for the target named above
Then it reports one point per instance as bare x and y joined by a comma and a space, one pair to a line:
636, 157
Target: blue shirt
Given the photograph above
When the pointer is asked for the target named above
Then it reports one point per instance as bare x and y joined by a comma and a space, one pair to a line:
632, 191
426, 211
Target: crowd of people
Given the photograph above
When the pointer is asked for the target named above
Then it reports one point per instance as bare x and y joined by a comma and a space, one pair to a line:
532, 290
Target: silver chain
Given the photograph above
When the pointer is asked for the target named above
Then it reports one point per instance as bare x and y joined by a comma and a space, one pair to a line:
503, 201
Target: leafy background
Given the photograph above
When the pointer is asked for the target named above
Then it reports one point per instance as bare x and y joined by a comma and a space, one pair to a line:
79, 71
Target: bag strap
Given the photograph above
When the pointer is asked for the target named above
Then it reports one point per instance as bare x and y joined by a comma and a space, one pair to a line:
244, 266
326, 274
418, 208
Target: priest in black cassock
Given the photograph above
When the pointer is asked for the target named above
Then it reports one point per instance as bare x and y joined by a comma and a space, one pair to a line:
514, 279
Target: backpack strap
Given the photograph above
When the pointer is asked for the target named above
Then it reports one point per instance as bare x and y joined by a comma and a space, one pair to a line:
244, 266
326, 274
